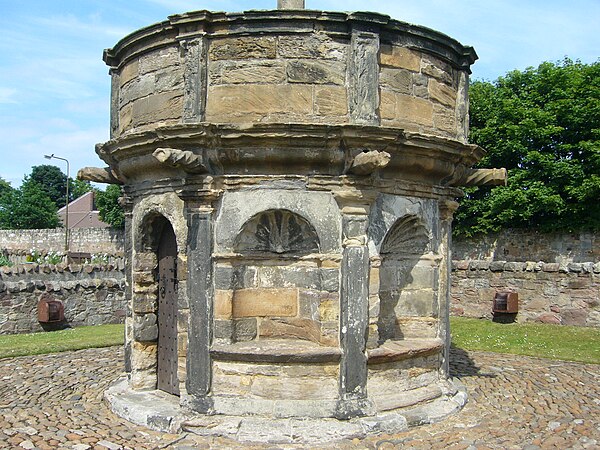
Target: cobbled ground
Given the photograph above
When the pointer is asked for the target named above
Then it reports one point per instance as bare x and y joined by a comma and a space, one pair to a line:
515, 402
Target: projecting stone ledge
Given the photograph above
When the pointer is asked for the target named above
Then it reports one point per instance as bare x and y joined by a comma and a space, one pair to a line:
391, 351
276, 350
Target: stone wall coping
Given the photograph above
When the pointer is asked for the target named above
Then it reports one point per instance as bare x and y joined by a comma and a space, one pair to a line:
276, 351
529, 266
32, 268
391, 351
205, 23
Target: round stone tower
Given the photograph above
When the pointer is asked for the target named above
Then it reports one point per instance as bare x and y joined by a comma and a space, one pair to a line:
289, 182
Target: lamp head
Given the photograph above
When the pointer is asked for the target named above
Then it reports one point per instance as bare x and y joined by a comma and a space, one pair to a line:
49, 156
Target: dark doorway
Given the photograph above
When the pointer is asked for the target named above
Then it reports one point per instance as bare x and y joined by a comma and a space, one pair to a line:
167, 311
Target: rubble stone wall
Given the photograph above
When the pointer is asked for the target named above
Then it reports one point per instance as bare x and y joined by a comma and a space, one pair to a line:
91, 295
567, 294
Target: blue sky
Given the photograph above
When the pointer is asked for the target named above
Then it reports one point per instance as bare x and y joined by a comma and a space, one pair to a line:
55, 89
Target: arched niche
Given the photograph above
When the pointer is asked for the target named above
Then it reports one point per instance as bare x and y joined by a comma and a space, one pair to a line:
277, 231
401, 249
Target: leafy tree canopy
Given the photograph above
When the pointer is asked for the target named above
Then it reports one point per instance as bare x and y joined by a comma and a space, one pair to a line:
52, 181
108, 206
543, 125
5, 187
28, 208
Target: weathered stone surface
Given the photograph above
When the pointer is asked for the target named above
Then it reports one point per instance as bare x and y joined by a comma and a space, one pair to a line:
442, 93
157, 107
195, 79
245, 329
315, 72
243, 72
292, 328
400, 108
396, 79
243, 48
129, 72
400, 57
145, 327
437, 69
223, 308
234, 103
363, 71
163, 58
331, 101
276, 351
405, 349
265, 303
312, 46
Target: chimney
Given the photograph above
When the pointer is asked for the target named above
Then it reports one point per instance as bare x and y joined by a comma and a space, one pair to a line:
290, 4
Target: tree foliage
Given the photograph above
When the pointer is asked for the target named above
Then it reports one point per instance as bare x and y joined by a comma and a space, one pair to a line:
29, 207
543, 125
52, 181
109, 208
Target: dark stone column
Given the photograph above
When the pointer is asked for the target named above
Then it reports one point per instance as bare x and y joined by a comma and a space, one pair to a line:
354, 315
195, 78
200, 294
127, 204
446, 211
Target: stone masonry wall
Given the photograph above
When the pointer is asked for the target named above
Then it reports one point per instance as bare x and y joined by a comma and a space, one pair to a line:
85, 240
567, 294
91, 294
521, 246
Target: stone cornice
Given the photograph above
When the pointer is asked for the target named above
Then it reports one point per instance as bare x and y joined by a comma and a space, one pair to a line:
219, 24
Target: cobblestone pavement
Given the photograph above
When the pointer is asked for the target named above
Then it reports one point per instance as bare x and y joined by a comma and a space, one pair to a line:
55, 401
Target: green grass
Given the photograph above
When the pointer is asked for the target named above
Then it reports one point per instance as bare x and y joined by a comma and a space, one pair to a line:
568, 343
60, 341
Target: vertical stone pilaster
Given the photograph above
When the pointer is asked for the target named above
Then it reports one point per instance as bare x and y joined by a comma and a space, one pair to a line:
195, 78
200, 294
115, 90
363, 77
354, 310
127, 204
446, 209
462, 107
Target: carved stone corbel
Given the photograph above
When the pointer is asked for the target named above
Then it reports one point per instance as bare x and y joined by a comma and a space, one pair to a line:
99, 175
182, 159
366, 163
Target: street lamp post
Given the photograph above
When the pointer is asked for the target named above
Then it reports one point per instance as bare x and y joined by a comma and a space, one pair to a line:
66, 204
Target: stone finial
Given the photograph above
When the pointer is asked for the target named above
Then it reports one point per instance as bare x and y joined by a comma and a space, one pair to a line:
290, 4
184, 159
99, 175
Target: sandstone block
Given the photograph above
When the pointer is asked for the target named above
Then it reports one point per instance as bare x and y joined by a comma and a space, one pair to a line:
144, 261
292, 328
265, 303
223, 308
145, 327
125, 118
144, 303
444, 119
143, 356
129, 72
157, 107
437, 69
250, 101
397, 79
316, 72
329, 310
413, 109
312, 46
243, 48
400, 57
442, 93
159, 59
331, 101
242, 72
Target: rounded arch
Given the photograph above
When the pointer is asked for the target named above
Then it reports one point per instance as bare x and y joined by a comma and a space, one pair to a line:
277, 231
408, 237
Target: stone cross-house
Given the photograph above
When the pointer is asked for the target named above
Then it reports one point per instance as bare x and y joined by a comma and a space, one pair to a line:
290, 178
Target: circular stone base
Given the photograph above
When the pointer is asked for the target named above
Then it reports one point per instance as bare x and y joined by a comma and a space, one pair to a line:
161, 412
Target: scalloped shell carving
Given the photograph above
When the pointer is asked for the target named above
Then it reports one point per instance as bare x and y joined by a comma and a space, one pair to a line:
277, 231
407, 237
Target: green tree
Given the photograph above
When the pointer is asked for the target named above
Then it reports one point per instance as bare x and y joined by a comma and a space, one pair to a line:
52, 181
543, 125
109, 208
28, 208
79, 187
5, 187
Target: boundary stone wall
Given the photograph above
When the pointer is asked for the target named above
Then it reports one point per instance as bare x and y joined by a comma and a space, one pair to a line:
84, 240
567, 293
91, 294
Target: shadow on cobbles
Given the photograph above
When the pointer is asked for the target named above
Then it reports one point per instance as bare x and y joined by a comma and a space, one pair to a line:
462, 365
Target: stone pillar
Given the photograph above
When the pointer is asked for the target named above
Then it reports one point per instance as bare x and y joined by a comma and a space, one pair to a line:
446, 210
290, 4
200, 295
354, 307
127, 204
